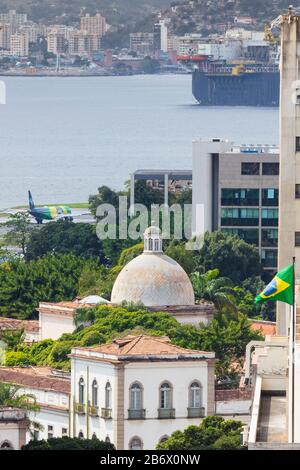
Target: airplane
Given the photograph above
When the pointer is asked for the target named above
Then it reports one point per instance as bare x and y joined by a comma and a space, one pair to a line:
48, 212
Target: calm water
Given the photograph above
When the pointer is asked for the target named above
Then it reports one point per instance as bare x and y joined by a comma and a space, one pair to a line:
64, 137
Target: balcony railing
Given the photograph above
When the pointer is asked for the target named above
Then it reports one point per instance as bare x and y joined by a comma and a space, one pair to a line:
136, 414
106, 413
196, 412
166, 413
93, 410
79, 408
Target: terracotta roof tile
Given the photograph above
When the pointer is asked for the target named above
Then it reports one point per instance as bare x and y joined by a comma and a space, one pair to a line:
265, 327
143, 345
14, 324
41, 378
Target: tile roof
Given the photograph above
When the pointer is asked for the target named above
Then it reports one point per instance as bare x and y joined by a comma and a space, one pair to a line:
14, 324
144, 346
41, 378
265, 327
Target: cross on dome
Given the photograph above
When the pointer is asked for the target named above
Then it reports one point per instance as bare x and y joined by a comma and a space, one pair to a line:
153, 240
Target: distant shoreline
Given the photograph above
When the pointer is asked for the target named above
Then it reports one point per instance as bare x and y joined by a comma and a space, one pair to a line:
39, 75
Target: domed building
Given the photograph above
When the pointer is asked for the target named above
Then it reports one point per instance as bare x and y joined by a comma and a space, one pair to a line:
153, 278
159, 282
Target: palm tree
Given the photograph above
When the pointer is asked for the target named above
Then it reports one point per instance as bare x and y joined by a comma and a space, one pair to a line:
212, 288
11, 396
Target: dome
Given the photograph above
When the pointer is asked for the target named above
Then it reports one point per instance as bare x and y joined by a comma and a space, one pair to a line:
93, 300
154, 279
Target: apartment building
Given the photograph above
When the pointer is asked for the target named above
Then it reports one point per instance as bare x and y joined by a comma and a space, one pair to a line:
19, 44
93, 24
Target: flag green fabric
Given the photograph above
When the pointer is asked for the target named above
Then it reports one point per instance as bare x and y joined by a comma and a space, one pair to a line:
280, 288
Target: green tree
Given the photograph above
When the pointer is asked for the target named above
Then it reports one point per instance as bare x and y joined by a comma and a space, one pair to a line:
233, 257
215, 289
11, 395
18, 231
65, 237
52, 278
213, 433
68, 443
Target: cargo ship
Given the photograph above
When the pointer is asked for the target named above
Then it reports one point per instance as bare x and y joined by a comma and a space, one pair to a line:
244, 84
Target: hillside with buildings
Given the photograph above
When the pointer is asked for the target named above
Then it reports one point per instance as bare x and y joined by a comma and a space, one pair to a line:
214, 16
118, 12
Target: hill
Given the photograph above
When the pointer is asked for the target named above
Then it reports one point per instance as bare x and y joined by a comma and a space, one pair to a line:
117, 12
204, 16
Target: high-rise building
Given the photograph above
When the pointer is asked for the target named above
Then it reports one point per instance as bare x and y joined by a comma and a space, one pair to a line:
19, 44
235, 190
93, 24
141, 42
160, 39
14, 19
5, 33
84, 44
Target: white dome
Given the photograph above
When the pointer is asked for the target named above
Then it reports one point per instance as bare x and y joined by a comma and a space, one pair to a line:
155, 280
93, 300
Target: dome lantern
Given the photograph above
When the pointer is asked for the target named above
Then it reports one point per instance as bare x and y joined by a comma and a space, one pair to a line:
153, 240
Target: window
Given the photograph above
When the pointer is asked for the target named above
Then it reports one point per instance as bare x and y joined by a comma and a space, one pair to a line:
94, 436
164, 438
136, 397
6, 445
81, 391
166, 396
94, 393
81, 435
297, 239
239, 197
242, 217
297, 191
64, 432
269, 237
297, 144
107, 439
250, 235
250, 168
270, 197
108, 395
50, 432
269, 217
195, 395
269, 258
270, 168
135, 444
36, 434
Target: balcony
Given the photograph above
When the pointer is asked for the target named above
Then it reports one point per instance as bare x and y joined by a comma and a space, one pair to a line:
136, 414
106, 413
196, 412
166, 413
79, 408
93, 410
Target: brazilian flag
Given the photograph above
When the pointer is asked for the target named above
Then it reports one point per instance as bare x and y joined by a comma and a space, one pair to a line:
280, 288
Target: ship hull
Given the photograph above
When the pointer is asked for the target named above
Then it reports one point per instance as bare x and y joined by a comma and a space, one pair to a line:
247, 89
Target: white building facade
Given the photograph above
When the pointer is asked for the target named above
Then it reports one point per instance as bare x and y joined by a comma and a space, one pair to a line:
137, 391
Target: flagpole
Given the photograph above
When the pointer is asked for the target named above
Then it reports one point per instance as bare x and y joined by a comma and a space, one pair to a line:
293, 353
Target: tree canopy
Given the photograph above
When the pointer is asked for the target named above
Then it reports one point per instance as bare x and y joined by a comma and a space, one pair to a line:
214, 433
68, 443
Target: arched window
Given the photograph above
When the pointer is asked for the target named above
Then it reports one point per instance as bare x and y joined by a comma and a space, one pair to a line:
136, 444
108, 395
163, 438
94, 436
150, 243
81, 390
95, 393
107, 440
80, 435
195, 393
136, 395
166, 396
6, 445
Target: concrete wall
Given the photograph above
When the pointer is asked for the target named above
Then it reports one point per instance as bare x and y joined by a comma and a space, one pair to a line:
53, 326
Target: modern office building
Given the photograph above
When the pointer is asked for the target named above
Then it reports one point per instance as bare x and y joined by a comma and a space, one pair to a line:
235, 189
160, 36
